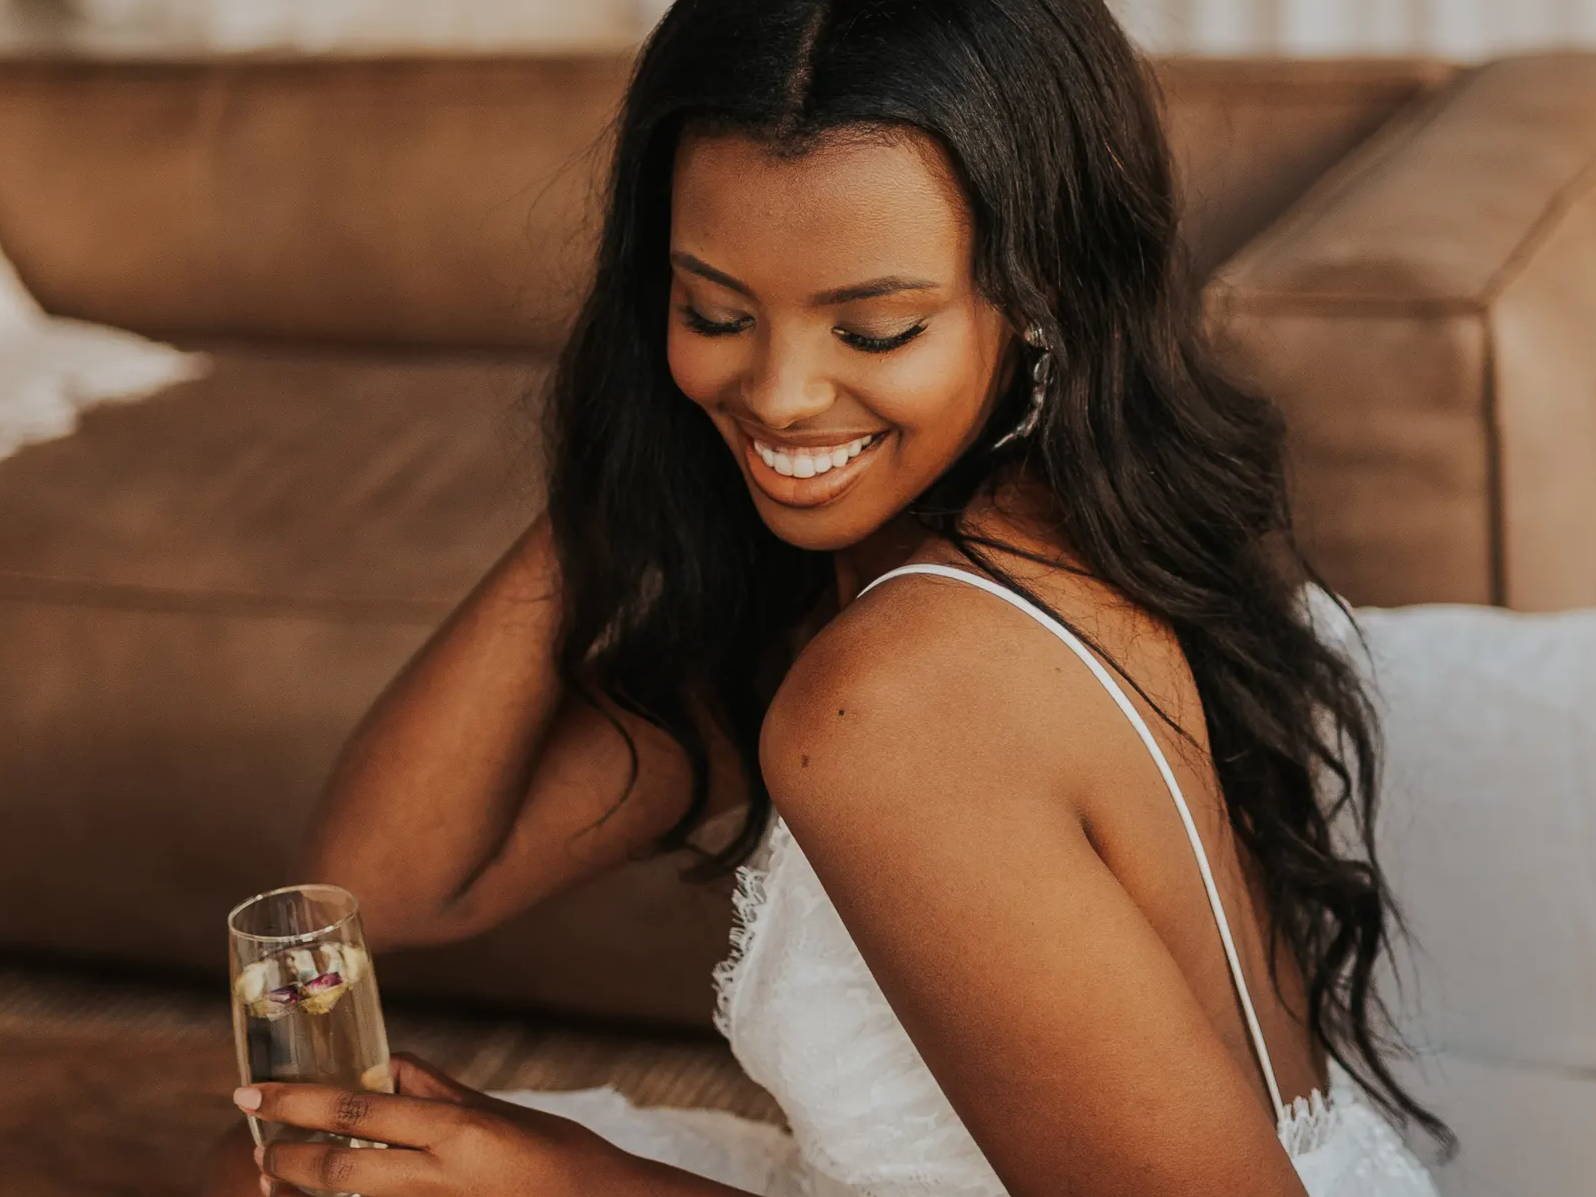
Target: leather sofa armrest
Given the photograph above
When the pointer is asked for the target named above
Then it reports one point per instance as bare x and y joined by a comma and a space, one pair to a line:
1426, 317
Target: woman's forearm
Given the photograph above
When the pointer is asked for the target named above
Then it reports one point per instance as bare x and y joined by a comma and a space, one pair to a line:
424, 789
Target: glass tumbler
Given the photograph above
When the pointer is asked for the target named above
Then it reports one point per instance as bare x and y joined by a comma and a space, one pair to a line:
305, 1005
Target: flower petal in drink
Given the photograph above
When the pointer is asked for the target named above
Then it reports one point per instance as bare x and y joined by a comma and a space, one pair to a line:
321, 993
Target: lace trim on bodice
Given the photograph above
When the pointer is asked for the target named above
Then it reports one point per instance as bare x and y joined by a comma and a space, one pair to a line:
748, 900
1307, 1124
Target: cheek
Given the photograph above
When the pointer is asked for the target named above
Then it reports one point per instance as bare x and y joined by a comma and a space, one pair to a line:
936, 389
701, 368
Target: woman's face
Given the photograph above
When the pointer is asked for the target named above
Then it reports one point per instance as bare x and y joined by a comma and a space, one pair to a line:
819, 301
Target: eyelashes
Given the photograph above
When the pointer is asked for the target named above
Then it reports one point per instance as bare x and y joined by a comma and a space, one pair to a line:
705, 327
879, 344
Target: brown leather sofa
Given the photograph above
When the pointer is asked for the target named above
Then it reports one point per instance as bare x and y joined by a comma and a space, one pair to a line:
200, 593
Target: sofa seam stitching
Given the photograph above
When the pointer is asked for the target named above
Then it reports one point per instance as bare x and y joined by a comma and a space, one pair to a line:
1561, 203
1399, 130
1347, 305
1495, 482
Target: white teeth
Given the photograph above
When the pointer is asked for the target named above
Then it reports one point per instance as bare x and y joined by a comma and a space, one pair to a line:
803, 463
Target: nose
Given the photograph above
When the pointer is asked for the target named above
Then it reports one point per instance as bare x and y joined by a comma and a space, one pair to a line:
781, 389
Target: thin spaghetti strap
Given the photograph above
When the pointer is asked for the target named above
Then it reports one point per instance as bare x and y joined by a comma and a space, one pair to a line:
1117, 693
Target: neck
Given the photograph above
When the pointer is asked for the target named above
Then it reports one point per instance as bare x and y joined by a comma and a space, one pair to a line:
886, 548
1016, 509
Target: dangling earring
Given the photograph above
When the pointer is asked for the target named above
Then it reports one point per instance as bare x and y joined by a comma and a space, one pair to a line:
1041, 375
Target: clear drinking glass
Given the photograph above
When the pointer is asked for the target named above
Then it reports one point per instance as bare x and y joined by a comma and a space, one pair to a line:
305, 1005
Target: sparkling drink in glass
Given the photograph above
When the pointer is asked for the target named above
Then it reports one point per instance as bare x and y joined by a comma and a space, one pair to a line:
305, 1005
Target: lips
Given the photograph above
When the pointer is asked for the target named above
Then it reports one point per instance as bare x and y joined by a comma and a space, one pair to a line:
807, 492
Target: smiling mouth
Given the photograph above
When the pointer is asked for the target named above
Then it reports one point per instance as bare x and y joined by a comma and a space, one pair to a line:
824, 487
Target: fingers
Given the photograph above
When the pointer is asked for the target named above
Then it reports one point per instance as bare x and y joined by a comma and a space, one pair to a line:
414, 1077
369, 1171
387, 1117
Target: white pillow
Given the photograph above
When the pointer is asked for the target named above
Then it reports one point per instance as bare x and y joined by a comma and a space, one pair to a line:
1487, 835
51, 367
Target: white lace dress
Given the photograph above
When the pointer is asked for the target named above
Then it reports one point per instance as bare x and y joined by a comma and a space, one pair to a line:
806, 1020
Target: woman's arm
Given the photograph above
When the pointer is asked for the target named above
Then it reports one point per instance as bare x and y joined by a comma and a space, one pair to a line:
1049, 1010
455, 802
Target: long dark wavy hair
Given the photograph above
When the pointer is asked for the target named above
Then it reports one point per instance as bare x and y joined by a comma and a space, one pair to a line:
1168, 481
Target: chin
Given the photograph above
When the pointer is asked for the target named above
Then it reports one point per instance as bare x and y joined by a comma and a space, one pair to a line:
826, 531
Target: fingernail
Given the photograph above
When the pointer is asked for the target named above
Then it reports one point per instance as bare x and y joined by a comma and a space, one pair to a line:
260, 1154
247, 1098
266, 1185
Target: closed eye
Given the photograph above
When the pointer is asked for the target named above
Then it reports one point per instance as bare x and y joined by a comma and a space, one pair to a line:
879, 344
706, 327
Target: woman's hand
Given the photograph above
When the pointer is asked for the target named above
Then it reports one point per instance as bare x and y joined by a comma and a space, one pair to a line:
447, 1140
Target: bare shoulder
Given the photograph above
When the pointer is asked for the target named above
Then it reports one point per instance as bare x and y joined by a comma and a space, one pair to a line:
925, 658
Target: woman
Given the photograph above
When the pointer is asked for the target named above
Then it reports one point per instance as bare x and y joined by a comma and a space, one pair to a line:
891, 501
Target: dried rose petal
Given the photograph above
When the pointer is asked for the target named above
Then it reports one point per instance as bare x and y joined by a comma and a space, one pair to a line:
323, 992
324, 982
278, 1002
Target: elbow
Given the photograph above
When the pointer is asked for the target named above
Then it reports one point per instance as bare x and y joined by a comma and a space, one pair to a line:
391, 920
408, 923
393, 914
400, 905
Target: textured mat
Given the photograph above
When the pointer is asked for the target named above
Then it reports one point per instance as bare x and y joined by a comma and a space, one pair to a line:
116, 1088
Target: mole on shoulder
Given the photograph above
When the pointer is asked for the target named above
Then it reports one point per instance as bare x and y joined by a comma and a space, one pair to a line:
803, 761
839, 710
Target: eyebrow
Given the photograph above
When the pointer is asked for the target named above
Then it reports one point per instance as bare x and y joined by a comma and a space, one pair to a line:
871, 289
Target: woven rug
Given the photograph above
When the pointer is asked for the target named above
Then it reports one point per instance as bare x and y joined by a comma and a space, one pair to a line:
117, 1088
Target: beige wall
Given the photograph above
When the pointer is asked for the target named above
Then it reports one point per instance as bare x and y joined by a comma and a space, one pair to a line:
1462, 29
161, 26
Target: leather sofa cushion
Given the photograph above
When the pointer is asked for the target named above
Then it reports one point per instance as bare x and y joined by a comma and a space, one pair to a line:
1250, 136
377, 482
201, 593
450, 201
1422, 316
411, 201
